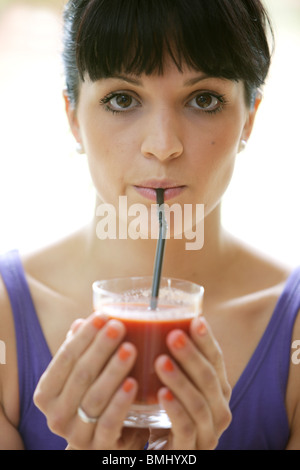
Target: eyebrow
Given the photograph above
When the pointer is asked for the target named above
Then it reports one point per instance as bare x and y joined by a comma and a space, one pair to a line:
137, 82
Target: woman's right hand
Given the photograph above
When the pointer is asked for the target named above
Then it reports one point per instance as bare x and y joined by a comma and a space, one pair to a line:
90, 371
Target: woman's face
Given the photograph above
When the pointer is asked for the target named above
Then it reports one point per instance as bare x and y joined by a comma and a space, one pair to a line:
180, 131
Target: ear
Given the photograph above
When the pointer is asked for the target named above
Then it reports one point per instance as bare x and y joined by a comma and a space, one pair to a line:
72, 118
247, 130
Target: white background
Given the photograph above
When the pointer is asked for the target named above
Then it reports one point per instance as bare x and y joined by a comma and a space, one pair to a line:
45, 189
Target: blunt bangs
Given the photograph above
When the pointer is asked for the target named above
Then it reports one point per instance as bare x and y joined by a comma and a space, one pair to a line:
222, 38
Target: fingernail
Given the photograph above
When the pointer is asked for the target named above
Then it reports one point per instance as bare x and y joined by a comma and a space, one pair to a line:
178, 340
98, 322
201, 327
168, 365
168, 395
128, 385
112, 332
124, 352
74, 327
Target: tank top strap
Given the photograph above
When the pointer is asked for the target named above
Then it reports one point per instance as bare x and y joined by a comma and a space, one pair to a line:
32, 350
288, 308
276, 339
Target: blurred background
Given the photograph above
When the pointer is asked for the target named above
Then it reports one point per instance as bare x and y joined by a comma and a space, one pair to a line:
45, 189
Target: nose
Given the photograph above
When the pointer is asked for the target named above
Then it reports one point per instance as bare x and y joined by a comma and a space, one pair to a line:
161, 137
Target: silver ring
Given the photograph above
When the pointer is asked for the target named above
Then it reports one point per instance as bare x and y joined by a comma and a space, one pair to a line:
84, 417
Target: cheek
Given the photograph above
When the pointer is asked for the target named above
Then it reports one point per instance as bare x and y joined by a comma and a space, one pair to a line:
219, 166
215, 146
101, 160
225, 137
103, 138
214, 159
109, 153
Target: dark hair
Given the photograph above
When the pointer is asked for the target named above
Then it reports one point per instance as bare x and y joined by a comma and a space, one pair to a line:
223, 38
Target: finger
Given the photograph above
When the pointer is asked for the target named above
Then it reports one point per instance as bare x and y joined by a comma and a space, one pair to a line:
85, 371
109, 433
75, 326
54, 378
186, 407
110, 424
97, 398
119, 366
183, 435
203, 375
204, 340
194, 363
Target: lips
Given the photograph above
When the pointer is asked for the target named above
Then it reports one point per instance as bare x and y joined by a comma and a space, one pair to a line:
147, 189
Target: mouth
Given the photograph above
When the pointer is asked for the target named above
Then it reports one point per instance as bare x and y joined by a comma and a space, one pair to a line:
148, 188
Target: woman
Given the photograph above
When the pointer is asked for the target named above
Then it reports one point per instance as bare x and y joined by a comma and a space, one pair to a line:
159, 95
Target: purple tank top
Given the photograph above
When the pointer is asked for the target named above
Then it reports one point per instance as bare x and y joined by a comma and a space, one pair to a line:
259, 418
33, 356
258, 399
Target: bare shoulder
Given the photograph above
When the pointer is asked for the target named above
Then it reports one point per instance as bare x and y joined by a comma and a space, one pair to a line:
247, 279
257, 271
259, 282
59, 281
52, 262
57, 268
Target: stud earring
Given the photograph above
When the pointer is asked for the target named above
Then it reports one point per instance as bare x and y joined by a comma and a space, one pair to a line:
79, 148
243, 145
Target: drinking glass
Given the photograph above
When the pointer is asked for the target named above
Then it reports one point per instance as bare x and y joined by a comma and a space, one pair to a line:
128, 300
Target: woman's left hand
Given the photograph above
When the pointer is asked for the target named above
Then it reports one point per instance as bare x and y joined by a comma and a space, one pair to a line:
197, 393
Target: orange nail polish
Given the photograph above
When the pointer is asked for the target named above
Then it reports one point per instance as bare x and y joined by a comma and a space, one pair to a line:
168, 395
179, 340
168, 365
112, 332
124, 353
98, 322
128, 385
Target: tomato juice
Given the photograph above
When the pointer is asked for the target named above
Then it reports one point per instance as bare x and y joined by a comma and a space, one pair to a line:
147, 330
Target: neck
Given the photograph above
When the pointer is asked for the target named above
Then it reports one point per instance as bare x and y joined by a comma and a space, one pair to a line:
128, 257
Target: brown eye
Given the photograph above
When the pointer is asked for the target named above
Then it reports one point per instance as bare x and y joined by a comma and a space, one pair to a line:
205, 101
119, 102
123, 101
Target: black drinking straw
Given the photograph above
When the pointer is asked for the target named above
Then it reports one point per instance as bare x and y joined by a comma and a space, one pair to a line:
160, 248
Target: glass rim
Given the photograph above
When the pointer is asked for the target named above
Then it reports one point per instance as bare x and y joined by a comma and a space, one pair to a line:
98, 286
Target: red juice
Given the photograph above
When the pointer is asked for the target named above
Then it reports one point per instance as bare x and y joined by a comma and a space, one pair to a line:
147, 330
